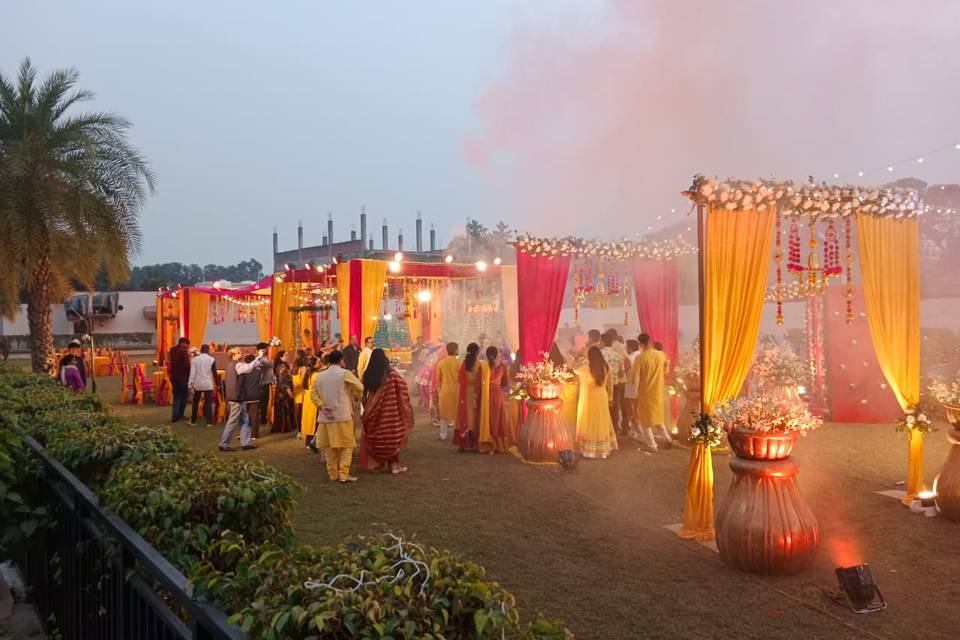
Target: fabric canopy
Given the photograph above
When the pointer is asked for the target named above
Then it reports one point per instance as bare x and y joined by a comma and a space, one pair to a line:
890, 268
541, 284
655, 288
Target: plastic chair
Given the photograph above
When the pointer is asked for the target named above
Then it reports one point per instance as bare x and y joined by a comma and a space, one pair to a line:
125, 384
142, 386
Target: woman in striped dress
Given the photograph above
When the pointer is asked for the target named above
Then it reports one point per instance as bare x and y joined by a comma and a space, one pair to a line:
387, 415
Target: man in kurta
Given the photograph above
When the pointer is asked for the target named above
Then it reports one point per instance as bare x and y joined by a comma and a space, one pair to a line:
649, 370
334, 391
448, 381
364, 358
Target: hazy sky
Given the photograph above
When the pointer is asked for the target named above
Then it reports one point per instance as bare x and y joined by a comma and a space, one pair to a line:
583, 116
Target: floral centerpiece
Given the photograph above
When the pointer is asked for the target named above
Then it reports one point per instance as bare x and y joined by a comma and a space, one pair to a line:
915, 420
760, 428
274, 342
779, 366
945, 391
543, 379
706, 431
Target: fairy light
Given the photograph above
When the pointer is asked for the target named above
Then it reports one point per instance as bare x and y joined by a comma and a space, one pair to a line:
424, 296
497, 261
448, 259
398, 257
394, 266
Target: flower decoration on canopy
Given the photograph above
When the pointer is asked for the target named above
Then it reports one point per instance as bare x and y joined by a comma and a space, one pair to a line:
544, 372
623, 250
945, 391
275, 342
804, 199
915, 420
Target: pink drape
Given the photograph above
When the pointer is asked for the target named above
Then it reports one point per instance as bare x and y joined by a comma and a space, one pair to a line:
655, 286
355, 318
541, 284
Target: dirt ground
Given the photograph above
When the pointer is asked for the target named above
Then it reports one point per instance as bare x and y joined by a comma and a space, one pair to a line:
591, 547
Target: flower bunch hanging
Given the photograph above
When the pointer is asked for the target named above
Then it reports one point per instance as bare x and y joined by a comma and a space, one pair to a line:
623, 250
915, 420
544, 372
945, 391
763, 415
808, 198
275, 342
706, 431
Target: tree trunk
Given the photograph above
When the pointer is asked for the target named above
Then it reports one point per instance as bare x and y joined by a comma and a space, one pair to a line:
40, 319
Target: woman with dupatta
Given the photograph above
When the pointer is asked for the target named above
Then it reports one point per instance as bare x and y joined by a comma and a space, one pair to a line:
284, 414
387, 416
469, 402
595, 435
495, 435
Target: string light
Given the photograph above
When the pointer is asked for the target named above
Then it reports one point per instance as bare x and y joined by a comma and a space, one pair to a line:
919, 158
481, 266
397, 257
394, 266
424, 296
448, 259
497, 261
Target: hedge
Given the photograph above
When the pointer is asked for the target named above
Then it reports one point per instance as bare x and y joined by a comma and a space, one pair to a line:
225, 524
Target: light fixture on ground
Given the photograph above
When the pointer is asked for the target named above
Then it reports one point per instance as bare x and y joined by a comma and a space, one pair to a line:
423, 296
859, 588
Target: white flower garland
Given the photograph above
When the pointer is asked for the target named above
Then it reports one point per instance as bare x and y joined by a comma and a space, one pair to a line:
572, 246
807, 199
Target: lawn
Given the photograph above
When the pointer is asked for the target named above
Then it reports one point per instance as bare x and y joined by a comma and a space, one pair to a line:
590, 547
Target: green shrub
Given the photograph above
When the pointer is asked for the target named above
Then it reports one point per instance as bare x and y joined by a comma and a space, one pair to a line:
182, 503
21, 512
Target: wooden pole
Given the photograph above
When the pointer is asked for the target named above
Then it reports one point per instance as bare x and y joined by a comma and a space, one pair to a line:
701, 281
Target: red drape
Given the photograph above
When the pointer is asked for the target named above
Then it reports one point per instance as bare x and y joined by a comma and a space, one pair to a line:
655, 286
541, 284
355, 317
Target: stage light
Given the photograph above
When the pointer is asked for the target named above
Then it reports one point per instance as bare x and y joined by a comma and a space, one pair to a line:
394, 266
335, 260
859, 588
497, 261
397, 257
279, 279
448, 259
481, 266
321, 267
423, 296
288, 267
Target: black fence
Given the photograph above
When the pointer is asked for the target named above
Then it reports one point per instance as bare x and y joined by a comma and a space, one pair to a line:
95, 578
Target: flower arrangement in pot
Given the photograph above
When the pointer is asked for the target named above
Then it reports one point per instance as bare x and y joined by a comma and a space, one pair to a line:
544, 380
778, 371
759, 428
947, 393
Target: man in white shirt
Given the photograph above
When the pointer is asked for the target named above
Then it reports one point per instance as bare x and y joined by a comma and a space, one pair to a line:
203, 377
364, 359
630, 389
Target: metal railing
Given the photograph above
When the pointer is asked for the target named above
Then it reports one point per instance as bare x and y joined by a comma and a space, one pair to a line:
95, 578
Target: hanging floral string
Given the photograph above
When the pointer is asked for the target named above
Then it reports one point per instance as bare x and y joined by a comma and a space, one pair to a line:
778, 260
848, 246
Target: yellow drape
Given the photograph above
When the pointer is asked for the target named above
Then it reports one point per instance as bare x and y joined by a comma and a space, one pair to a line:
737, 257
284, 297
306, 330
343, 300
511, 310
374, 276
199, 313
415, 325
263, 322
890, 268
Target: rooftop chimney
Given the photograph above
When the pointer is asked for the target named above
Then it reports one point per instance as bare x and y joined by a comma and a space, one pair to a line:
330, 231
371, 244
353, 233
363, 229
419, 232
433, 238
299, 239
400, 240
385, 234
275, 247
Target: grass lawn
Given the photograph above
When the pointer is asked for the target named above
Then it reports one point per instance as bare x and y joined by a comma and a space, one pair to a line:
590, 547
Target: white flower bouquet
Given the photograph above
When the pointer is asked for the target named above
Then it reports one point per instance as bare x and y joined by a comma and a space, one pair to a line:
763, 415
915, 420
945, 391
274, 342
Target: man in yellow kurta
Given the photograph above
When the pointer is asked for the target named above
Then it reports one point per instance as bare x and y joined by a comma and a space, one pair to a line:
334, 391
649, 371
448, 384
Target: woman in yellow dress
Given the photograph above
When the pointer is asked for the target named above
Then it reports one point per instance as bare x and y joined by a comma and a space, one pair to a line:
308, 419
299, 369
595, 435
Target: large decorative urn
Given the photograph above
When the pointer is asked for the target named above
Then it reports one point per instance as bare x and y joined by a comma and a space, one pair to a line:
764, 525
947, 483
544, 434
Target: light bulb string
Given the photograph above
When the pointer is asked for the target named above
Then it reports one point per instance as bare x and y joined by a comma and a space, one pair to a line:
889, 166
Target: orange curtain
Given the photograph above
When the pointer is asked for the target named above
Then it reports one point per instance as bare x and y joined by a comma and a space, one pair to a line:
890, 268
263, 322
737, 257
284, 297
374, 277
199, 305
343, 300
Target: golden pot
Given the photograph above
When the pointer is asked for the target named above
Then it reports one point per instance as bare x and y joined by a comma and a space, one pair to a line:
946, 485
544, 391
543, 434
757, 445
953, 414
764, 525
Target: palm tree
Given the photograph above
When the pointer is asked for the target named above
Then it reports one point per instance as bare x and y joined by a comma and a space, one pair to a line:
70, 190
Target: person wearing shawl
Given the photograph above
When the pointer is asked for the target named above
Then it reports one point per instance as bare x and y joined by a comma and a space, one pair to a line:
284, 413
333, 392
424, 376
387, 416
472, 403
494, 435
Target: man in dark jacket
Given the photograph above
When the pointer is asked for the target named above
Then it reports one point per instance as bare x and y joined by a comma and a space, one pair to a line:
351, 355
251, 390
267, 379
234, 383
179, 359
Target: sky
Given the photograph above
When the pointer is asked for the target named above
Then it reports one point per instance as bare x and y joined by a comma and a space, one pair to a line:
582, 117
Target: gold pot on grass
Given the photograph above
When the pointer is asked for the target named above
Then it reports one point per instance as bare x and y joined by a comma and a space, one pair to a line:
947, 483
